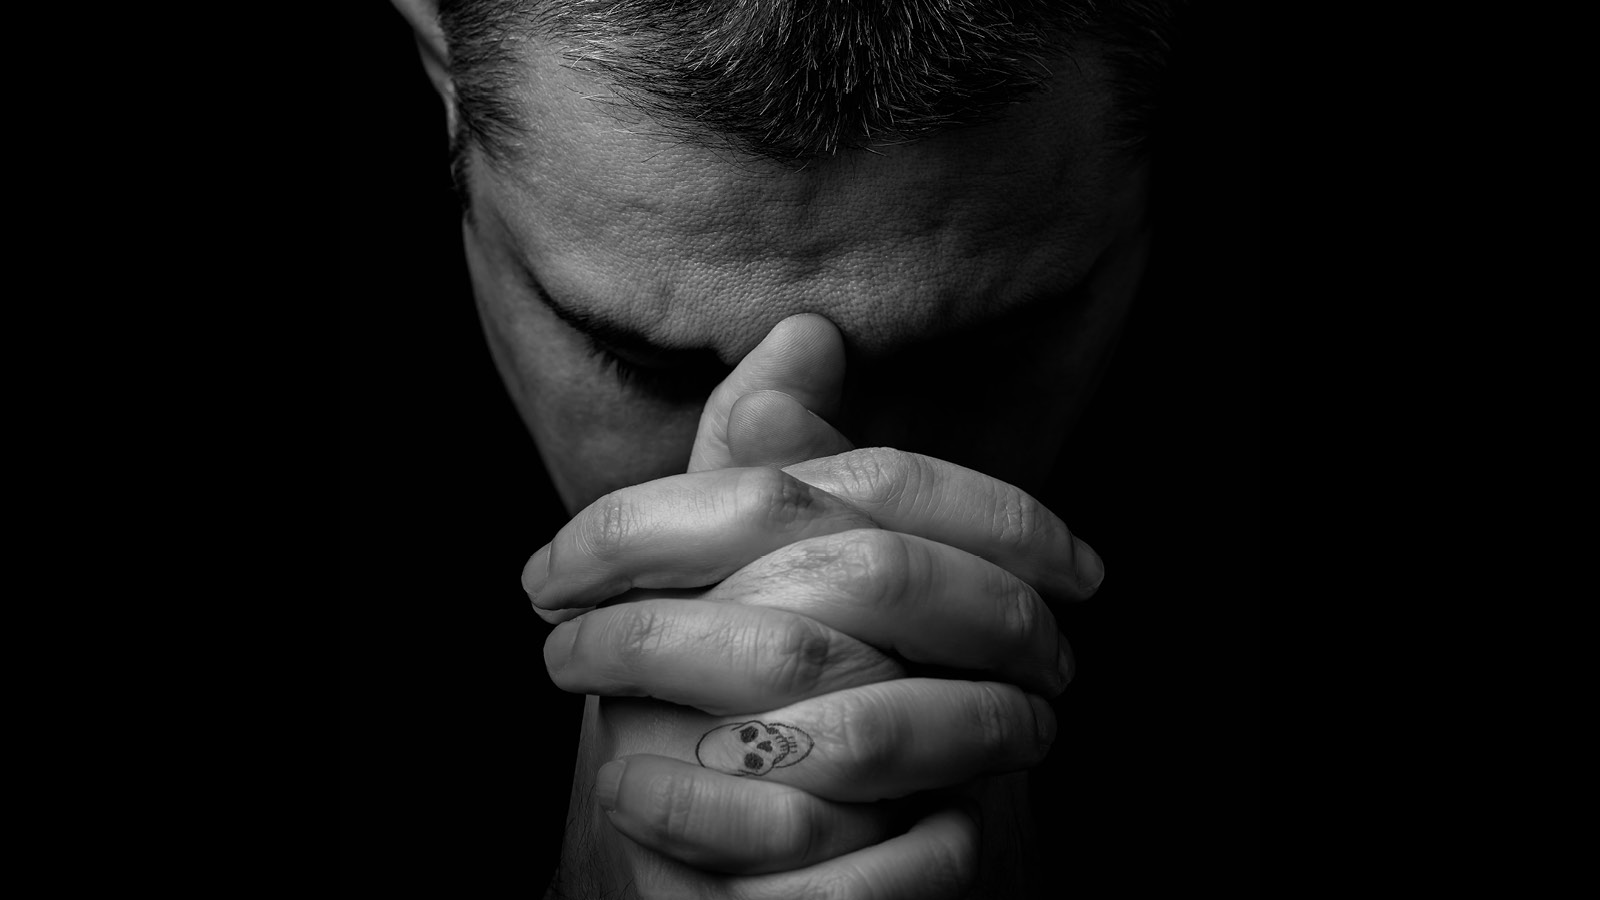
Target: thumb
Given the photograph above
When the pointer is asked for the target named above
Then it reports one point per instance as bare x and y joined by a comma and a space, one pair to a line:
771, 428
803, 357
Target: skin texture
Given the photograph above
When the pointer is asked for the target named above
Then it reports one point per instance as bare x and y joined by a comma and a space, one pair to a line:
978, 279
763, 639
800, 617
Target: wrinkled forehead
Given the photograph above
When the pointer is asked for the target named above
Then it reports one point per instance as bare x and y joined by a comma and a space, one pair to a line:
703, 246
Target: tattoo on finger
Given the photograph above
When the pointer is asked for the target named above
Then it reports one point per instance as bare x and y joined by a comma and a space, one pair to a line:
752, 748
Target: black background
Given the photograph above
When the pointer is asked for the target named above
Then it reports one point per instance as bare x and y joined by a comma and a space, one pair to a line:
456, 754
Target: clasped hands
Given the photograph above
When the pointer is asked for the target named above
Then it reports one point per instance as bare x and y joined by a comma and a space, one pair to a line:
783, 602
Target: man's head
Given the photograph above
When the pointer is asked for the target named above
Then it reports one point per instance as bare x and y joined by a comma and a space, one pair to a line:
792, 80
651, 186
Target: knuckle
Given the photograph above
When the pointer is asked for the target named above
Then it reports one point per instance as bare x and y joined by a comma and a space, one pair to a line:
995, 711
873, 565
772, 498
803, 648
870, 734
635, 636
672, 807
1018, 518
608, 525
879, 475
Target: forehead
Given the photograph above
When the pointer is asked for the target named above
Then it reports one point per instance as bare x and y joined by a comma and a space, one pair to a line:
702, 246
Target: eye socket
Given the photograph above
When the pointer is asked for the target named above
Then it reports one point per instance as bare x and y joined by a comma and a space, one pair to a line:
670, 384
688, 378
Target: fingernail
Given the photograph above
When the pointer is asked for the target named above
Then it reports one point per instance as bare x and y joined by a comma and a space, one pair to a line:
607, 782
1064, 664
558, 646
1091, 569
536, 573
1044, 720
557, 616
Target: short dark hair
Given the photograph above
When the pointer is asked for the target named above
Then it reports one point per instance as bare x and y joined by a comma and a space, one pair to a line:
794, 80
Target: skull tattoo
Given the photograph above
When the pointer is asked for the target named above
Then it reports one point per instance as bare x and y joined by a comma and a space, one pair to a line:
752, 748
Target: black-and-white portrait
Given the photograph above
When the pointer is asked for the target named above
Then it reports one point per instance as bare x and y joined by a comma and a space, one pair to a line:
799, 448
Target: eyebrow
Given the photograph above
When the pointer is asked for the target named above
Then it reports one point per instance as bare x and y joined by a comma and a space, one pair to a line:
613, 335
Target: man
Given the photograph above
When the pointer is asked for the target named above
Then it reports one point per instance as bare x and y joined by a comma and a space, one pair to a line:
952, 295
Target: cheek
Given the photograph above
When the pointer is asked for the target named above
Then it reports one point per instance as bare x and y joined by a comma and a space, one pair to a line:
589, 454
592, 435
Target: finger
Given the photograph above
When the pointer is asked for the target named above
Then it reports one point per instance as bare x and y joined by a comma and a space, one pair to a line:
802, 356
955, 505
718, 657
694, 530
678, 532
721, 823
886, 740
936, 860
771, 428
924, 601
557, 616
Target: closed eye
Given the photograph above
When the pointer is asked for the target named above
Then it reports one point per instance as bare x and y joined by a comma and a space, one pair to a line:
688, 383
673, 376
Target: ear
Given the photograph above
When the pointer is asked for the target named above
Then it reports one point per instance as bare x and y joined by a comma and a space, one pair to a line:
424, 18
